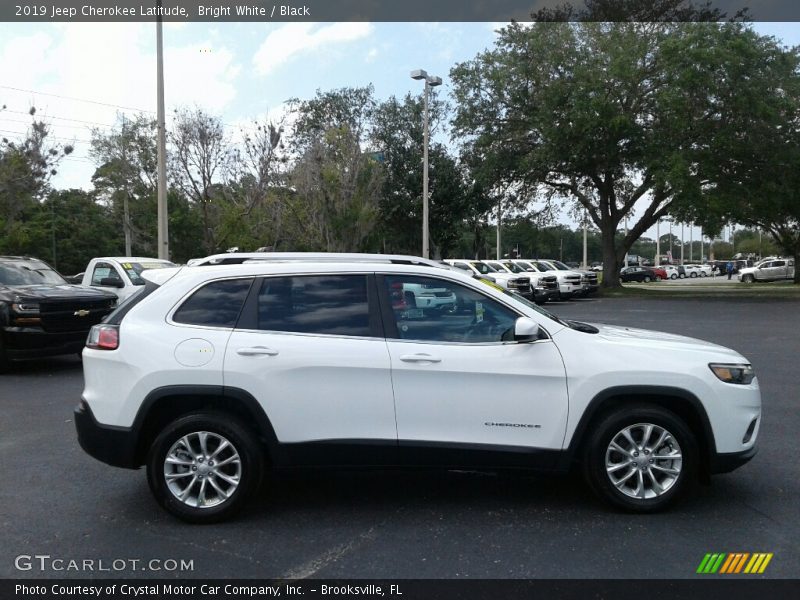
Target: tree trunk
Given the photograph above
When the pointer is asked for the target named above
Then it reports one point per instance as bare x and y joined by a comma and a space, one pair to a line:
610, 261
796, 265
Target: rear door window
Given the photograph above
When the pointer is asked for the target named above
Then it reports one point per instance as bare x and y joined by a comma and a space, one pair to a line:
315, 304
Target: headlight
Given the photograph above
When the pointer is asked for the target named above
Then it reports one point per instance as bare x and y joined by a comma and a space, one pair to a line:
26, 308
739, 374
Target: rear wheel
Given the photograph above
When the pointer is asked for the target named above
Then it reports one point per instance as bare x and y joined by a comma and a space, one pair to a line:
646, 279
203, 467
693, 275
658, 278
640, 458
673, 276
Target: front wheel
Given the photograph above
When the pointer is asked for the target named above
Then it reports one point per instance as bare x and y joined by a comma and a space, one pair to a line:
673, 276
640, 458
647, 279
203, 467
748, 278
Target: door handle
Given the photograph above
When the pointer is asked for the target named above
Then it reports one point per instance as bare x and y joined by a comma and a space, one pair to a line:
420, 358
256, 351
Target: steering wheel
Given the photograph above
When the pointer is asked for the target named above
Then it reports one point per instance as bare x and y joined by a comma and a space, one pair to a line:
483, 331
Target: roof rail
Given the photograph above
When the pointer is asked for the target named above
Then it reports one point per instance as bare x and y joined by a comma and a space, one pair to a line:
235, 258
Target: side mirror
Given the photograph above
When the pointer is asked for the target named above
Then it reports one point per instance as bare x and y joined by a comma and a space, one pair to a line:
112, 282
525, 330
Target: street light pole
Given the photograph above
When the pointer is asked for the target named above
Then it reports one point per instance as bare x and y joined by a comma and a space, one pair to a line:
682, 242
430, 81
163, 221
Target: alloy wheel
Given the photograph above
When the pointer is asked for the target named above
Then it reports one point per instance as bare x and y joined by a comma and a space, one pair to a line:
643, 461
202, 469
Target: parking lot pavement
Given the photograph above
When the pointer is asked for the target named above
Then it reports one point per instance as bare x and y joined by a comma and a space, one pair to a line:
58, 501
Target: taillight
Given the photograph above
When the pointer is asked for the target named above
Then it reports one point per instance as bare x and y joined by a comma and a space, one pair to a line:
103, 337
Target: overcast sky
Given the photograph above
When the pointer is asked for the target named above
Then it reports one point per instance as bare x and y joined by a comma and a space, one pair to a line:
81, 75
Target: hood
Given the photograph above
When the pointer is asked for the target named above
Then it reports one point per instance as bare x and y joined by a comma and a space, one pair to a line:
659, 339
57, 292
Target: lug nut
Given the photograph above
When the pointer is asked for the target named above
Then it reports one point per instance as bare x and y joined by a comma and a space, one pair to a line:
636, 454
194, 468
211, 463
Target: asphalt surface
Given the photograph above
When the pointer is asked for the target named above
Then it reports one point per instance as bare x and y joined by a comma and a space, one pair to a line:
57, 501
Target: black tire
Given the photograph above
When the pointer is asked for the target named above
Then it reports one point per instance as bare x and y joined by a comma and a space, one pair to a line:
748, 278
693, 275
5, 363
608, 427
646, 279
673, 276
241, 437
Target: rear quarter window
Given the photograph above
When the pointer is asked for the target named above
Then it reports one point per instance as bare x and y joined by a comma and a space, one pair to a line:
216, 304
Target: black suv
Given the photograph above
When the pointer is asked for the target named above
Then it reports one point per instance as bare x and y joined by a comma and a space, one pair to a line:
43, 315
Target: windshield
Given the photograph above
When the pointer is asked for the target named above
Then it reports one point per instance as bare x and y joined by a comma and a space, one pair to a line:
134, 270
514, 268
559, 265
483, 268
542, 266
28, 272
497, 266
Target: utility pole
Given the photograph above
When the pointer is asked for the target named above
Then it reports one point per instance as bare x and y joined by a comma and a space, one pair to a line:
626, 237
682, 242
163, 221
126, 217
657, 261
691, 243
585, 264
499, 221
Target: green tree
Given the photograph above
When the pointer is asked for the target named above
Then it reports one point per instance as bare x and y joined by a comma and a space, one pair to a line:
337, 187
26, 166
126, 178
608, 115
397, 138
68, 229
199, 164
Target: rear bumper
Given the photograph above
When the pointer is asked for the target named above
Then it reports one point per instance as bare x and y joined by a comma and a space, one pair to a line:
115, 446
725, 462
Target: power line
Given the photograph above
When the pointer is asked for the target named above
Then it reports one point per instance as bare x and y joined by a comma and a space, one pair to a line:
84, 127
8, 87
22, 112
52, 137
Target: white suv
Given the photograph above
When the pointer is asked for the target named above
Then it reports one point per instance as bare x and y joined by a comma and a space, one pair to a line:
213, 373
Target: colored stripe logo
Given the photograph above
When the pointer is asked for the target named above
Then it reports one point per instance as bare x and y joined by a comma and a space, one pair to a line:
729, 563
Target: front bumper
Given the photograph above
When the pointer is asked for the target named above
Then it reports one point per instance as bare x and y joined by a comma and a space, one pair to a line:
31, 342
115, 446
725, 462
543, 295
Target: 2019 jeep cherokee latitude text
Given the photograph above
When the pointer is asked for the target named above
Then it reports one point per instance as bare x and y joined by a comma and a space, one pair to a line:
213, 373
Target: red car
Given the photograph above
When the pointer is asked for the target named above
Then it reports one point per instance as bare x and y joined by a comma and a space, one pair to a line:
660, 273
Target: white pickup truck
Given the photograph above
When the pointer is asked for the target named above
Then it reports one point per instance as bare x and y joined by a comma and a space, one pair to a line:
121, 275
